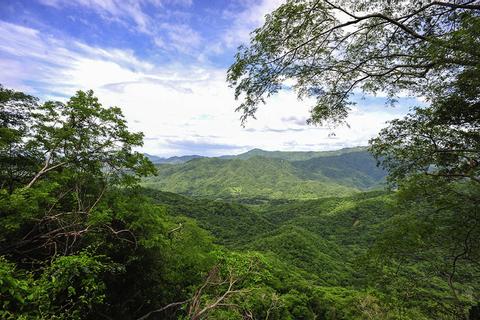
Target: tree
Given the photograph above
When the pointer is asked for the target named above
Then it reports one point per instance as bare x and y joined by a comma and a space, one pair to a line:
77, 150
442, 140
71, 217
15, 119
84, 137
433, 155
333, 48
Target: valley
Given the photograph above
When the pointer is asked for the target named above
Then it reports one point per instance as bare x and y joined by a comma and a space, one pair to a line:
318, 221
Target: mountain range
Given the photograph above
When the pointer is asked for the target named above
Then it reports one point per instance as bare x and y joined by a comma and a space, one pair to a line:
260, 175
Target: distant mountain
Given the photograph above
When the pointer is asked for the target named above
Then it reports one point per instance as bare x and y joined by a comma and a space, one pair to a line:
173, 160
254, 178
285, 155
265, 175
292, 155
355, 168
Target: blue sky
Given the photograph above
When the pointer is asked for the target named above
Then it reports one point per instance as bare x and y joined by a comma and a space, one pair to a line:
164, 63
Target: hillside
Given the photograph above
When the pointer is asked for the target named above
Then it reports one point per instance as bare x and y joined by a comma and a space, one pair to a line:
357, 168
173, 160
285, 155
270, 176
320, 250
293, 155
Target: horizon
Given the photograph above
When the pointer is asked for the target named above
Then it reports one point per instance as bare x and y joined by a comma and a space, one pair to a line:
237, 154
164, 63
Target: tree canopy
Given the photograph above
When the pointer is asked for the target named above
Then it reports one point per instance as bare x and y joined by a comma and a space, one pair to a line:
80, 239
442, 140
334, 48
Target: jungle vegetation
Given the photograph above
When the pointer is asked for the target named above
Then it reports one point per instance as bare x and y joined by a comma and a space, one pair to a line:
87, 231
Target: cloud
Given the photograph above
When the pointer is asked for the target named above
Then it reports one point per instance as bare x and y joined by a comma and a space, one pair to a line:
165, 35
180, 87
180, 37
182, 108
112, 10
40, 57
299, 121
204, 147
122, 11
267, 129
251, 17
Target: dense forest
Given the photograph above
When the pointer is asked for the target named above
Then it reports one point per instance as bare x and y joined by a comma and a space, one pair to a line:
249, 176
91, 228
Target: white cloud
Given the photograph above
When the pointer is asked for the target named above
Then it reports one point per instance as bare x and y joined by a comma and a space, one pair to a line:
180, 108
117, 10
181, 37
244, 22
169, 36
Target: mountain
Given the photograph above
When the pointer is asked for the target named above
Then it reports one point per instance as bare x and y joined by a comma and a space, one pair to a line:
265, 175
355, 168
255, 178
285, 155
176, 159
292, 155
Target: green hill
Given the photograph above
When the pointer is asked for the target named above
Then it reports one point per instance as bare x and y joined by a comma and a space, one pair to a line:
172, 160
319, 250
252, 177
231, 223
293, 155
356, 168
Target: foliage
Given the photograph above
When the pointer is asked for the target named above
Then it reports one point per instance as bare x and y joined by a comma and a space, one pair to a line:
429, 49
442, 140
260, 178
67, 288
70, 287
78, 238
15, 120
331, 48
13, 289
433, 156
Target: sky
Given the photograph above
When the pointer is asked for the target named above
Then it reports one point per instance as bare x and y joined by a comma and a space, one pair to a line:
164, 63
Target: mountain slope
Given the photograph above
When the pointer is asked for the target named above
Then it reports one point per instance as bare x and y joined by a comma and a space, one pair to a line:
252, 177
230, 223
293, 155
172, 160
318, 251
357, 169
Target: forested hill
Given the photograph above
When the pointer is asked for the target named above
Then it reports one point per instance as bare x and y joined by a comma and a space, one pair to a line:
321, 255
285, 155
259, 174
175, 159
293, 155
